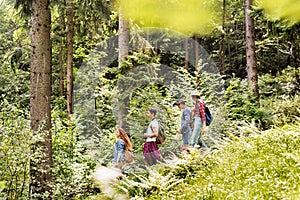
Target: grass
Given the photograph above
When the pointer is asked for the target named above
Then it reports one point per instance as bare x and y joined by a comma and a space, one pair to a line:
261, 165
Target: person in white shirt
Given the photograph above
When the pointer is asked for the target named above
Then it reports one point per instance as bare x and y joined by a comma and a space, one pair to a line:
151, 151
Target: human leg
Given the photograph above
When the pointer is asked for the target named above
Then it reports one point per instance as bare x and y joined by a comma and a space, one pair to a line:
151, 153
186, 136
196, 131
201, 142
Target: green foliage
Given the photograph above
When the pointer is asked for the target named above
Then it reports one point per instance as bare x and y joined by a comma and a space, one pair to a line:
15, 87
260, 165
15, 141
278, 104
14, 56
282, 110
72, 166
188, 17
281, 9
241, 104
211, 87
285, 84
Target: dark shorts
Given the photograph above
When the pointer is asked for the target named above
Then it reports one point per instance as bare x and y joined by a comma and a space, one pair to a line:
151, 152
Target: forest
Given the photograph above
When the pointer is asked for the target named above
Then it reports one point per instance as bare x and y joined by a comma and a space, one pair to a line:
73, 72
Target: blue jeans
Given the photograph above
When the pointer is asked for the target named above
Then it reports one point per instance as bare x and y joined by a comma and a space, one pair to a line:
197, 133
186, 136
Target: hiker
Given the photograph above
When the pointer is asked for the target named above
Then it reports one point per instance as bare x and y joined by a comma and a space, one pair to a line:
151, 151
185, 126
199, 120
122, 143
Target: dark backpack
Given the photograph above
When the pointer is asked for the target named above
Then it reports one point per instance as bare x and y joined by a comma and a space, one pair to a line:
208, 116
161, 134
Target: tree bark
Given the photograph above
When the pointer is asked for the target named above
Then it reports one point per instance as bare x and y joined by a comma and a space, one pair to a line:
222, 46
186, 48
70, 35
250, 50
238, 62
123, 38
196, 52
123, 43
40, 100
61, 70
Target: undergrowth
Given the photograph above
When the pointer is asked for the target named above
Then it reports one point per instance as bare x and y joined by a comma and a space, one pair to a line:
259, 165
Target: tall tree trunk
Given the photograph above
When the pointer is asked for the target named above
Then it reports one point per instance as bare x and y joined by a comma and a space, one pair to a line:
61, 69
70, 34
123, 42
186, 48
222, 46
196, 43
40, 100
123, 38
238, 62
250, 50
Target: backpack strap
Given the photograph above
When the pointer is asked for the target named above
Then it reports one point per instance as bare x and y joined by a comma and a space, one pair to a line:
157, 127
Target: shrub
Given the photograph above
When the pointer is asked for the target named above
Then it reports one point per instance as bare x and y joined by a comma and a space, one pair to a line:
286, 83
72, 167
15, 151
261, 165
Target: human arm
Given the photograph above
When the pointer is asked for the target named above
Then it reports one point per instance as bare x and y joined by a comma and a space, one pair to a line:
153, 134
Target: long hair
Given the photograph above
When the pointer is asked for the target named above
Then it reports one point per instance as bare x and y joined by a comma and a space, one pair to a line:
125, 138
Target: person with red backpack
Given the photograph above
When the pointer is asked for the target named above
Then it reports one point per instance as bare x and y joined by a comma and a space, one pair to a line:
199, 120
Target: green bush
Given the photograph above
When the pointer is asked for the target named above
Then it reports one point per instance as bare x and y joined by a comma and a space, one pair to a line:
72, 166
14, 87
278, 104
261, 165
241, 105
15, 141
283, 110
285, 83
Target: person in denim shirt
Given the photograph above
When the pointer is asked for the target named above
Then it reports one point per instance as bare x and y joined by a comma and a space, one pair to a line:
120, 146
185, 127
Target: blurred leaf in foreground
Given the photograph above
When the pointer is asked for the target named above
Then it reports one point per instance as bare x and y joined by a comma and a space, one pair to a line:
185, 16
281, 9
2, 185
